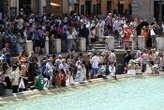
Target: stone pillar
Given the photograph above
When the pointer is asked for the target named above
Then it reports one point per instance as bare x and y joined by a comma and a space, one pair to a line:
160, 43
65, 6
110, 42
17, 5
141, 42
47, 46
103, 6
57, 45
82, 44
29, 45
42, 7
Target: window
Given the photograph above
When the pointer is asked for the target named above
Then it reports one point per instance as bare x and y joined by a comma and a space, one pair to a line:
94, 9
109, 6
82, 9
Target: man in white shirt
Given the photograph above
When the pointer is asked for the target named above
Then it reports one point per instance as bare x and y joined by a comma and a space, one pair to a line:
163, 27
14, 77
95, 65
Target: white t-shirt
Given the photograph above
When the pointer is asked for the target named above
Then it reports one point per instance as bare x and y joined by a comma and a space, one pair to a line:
49, 66
112, 70
15, 78
163, 27
64, 67
112, 57
95, 61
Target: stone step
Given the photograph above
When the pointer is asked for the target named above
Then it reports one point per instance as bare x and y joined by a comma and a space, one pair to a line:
97, 50
100, 47
100, 42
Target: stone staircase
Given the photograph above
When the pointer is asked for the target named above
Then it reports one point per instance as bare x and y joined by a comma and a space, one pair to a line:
119, 45
102, 46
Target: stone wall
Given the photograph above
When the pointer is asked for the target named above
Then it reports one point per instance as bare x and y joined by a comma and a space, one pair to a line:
142, 8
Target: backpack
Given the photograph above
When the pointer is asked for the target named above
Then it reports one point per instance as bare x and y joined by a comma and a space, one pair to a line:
39, 82
36, 36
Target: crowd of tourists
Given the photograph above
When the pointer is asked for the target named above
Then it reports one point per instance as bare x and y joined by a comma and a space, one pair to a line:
69, 28
29, 71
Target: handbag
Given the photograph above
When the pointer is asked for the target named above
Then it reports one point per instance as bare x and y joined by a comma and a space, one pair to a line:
21, 84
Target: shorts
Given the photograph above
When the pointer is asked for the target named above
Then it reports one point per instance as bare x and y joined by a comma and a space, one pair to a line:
42, 44
94, 70
36, 43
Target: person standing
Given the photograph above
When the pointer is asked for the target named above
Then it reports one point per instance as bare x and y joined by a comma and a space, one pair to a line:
95, 65
14, 77
163, 28
84, 32
93, 37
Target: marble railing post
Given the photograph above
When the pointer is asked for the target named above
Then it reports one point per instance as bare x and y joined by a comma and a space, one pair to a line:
141, 42
29, 45
110, 42
82, 45
47, 46
160, 43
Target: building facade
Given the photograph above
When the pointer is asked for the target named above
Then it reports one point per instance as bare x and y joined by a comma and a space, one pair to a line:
13, 7
57, 8
99, 6
147, 9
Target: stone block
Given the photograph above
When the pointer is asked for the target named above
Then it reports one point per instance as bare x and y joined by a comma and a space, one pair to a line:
160, 43
57, 45
82, 44
141, 42
110, 42
29, 45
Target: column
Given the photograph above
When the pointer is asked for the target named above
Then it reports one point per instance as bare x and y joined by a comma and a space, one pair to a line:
103, 6
17, 5
65, 6
13, 7
47, 46
43, 5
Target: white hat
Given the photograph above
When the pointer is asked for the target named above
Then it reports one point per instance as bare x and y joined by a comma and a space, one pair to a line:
125, 26
63, 60
59, 55
89, 53
155, 66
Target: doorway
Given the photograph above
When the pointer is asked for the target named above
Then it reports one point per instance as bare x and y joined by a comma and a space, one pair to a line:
157, 10
120, 8
26, 5
88, 7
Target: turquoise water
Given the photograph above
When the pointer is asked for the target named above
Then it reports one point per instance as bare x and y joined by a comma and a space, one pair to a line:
131, 94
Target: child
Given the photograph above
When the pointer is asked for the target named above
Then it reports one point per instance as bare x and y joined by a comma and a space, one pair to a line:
70, 80
102, 70
112, 69
79, 72
39, 82
58, 78
155, 69
131, 68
